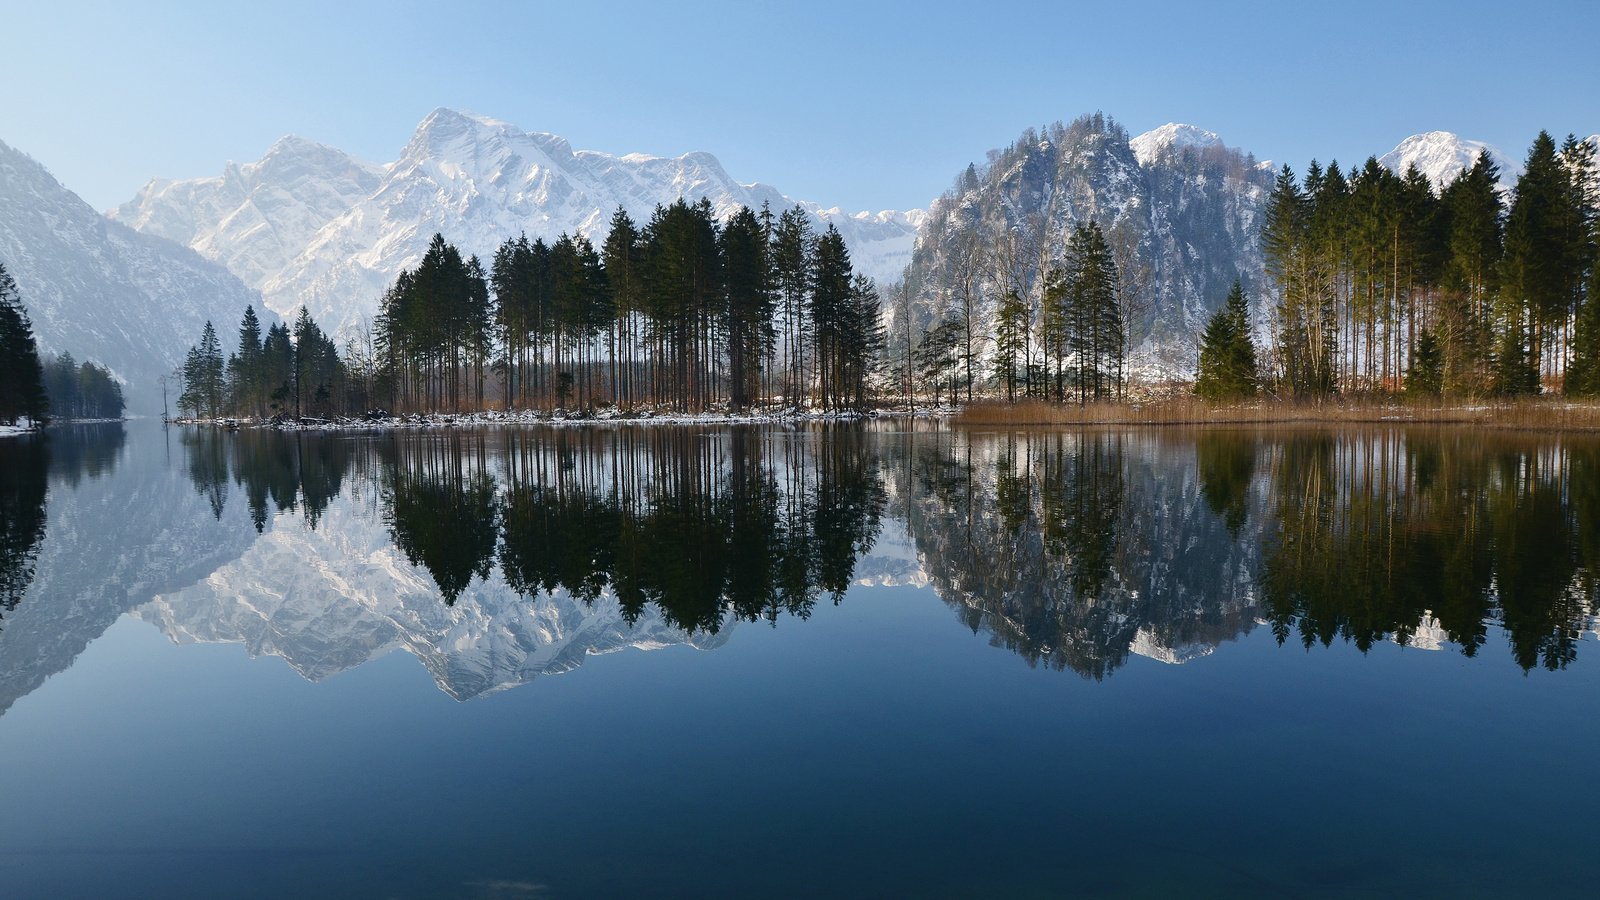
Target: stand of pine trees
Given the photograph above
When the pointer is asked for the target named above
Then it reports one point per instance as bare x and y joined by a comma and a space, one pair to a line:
22, 394
1065, 341
1381, 279
86, 391
684, 313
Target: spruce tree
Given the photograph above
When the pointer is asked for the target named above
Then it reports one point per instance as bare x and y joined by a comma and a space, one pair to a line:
1537, 277
1227, 352
22, 394
747, 329
1425, 377
245, 373
1470, 277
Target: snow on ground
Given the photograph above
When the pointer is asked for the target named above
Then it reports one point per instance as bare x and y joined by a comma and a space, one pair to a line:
562, 417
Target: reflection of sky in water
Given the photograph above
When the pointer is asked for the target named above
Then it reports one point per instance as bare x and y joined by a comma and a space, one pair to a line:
882, 746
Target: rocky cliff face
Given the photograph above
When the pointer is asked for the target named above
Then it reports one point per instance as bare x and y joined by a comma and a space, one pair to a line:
1180, 209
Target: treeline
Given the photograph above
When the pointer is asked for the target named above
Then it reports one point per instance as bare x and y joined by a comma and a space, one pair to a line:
292, 372
86, 391
37, 391
684, 313
1065, 342
1384, 282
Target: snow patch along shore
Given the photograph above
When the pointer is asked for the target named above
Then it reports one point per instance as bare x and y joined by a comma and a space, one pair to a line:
610, 416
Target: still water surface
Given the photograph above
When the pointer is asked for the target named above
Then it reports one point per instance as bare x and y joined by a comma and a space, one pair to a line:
856, 661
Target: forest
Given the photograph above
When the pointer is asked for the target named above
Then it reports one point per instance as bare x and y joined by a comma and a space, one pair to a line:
38, 390
1377, 285
681, 314
1479, 288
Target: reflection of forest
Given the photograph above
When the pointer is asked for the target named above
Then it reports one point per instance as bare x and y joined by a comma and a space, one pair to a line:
1076, 549
28, 465
1381, 534
1073, 549
700, 523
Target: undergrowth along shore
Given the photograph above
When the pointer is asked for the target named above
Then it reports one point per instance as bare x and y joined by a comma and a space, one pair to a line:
1552, 413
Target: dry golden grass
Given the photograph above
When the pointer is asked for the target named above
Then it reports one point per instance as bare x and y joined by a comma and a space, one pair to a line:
1548, 414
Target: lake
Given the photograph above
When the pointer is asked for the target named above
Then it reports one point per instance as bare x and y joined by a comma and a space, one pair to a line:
858, 660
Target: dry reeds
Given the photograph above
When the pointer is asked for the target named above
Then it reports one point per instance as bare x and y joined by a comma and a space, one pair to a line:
1547, 414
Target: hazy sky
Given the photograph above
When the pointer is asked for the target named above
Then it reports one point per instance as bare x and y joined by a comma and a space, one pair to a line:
862, 105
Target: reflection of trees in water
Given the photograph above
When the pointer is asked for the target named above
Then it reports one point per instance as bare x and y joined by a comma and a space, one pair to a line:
1373, 534
23, 463
278, 471
441, 507
28, 466
701, 523
1021, 534
1226, 461
1074, 549
84, 450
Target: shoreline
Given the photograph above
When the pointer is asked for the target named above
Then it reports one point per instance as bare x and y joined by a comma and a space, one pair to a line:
559, 418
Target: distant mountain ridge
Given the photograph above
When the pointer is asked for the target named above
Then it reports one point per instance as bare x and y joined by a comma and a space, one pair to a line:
311, 225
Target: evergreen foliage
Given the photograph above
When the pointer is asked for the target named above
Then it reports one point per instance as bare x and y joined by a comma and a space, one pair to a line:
1228, 352
1083, 333
1366, 265
22, 393
86, 391
1426, 376
682, 312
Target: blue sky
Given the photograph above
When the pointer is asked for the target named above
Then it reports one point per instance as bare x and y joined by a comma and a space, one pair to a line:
864, 105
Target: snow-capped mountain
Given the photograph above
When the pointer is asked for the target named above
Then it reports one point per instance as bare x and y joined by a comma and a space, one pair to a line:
102, 291
1442, 155
1173, 136
257, 217
309, 225
330, 599
1180, 209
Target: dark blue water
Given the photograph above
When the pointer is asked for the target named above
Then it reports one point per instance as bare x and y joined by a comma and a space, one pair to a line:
796, 663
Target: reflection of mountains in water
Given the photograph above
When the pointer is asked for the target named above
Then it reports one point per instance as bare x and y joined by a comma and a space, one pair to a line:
330, 599
500, 555
120, 524
1077, 549
495, 557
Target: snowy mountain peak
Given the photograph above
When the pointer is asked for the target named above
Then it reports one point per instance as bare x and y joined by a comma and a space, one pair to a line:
1152, 144
1442, 155
331, 233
